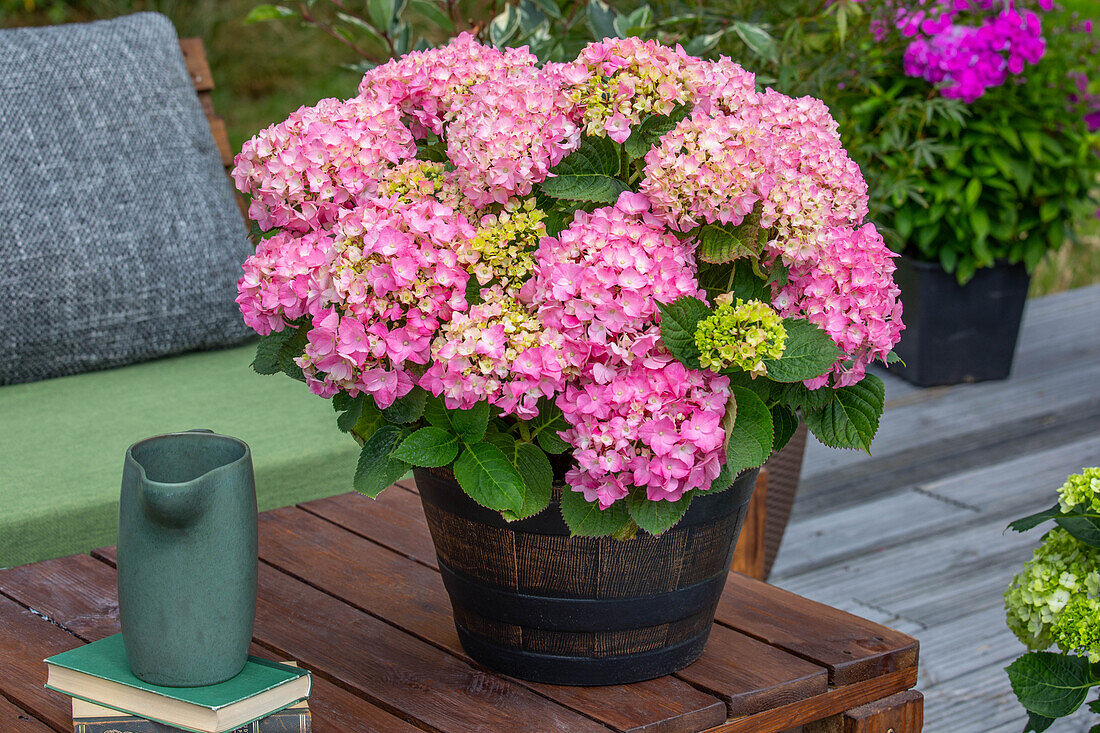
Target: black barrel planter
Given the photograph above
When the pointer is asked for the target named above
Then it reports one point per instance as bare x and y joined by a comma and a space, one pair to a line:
532, 602
958, 333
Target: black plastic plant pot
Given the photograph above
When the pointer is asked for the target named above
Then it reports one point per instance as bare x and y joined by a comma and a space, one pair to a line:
532, 602
958, 333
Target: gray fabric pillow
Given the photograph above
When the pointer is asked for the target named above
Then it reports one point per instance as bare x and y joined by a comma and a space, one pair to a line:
121, 238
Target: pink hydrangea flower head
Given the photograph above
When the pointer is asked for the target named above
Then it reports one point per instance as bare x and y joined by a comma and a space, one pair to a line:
300, 173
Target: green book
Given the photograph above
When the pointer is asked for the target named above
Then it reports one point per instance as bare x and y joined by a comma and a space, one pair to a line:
100, 673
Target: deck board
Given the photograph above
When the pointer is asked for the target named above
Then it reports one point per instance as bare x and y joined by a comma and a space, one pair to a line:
913, 536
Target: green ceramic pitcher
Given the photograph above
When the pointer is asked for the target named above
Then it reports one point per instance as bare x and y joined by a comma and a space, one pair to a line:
187, 558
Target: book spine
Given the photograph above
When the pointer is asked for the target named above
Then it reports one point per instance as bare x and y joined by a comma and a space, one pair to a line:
286, 721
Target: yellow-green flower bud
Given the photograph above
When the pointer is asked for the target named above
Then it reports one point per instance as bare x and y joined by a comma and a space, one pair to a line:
740, 334
1077, 628
1081, 491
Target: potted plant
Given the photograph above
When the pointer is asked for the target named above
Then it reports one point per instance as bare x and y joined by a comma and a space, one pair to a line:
1055, 602
583, 302
971, 124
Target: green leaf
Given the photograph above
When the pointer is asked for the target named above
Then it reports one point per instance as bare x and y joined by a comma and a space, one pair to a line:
504, 26
1084, 527
849, 418
679, 320
749, 442
586, 519
470, 425
601, 19
535, 469
786, 422
656, 517
267, 352
487, 476
428, 447
1034, 520
377, 467
1037, 723
293, 348
720, 243
757, 39
651, 130
587, 174
808, 352
437, 414
262, 13
546, 425
351, 414
380, 13
1051, 685
369, 421
407, 409
363, 26
433, 13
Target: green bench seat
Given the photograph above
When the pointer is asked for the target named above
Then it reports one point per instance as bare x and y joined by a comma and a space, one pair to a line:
62, 443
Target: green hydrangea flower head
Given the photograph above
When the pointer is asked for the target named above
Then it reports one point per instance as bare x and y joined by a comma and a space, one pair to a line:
505, 244
1077, 628
1060, 571
1081, 491
740, 334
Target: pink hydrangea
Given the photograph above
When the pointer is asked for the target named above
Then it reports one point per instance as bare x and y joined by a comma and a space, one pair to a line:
655, 424
497, 351
430, 86
600, 281
511, 131
300, 173
847, 288
280, 279
391, 279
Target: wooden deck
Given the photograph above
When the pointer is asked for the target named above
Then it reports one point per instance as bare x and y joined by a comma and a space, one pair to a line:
913, 536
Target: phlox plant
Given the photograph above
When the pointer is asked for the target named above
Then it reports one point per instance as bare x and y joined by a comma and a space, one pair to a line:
973, 123
1055, 602
627, 276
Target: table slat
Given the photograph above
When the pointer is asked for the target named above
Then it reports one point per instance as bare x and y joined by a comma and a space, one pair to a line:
26, 640
79, 594
15, 719
412, 596
852, 648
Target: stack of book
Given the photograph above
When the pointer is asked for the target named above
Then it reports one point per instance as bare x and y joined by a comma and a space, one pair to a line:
266, 697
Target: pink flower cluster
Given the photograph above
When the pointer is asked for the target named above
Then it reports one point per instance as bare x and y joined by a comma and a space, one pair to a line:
599, 282
300, 173
847, 288
968, 46
654, 425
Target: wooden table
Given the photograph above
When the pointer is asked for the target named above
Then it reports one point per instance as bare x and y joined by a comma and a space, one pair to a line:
349, 588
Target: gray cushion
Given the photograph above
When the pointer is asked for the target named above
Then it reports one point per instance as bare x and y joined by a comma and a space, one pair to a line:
121, 239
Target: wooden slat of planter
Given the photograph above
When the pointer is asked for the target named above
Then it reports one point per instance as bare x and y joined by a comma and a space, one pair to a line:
26, 640
412, 596
79, 594
853, 649
15, 719
752, 676
836, 700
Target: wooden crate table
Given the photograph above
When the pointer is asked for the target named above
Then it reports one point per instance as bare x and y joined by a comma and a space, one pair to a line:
350, 589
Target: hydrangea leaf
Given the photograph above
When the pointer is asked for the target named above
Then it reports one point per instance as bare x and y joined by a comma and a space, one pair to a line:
407, 409
351, 413
534, 467
656, 517
807, 353
377, 468
267, 352
489, 478
651, 130
586, 519
679, 319
291, 349
850, 416
546, 425
429, 447
470, 424
587, 174
1051, 685
1085, 527
719, 243
1037, 723
1034, 520
437, 414
786, 422
370, 419
749, 442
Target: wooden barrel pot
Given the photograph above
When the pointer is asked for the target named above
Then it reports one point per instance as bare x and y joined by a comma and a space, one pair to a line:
532, 602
